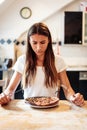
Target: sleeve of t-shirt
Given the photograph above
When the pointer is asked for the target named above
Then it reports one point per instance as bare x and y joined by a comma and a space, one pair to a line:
60, 63
19, 65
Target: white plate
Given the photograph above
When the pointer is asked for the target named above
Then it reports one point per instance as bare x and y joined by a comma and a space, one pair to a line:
50, 106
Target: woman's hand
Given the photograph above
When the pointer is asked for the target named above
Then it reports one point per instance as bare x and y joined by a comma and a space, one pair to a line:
77, 99
4, 99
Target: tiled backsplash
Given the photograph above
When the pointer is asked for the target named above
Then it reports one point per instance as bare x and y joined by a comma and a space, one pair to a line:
6, 41
7, 47
72, 54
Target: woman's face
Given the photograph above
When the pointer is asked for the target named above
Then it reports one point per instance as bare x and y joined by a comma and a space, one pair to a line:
39, 44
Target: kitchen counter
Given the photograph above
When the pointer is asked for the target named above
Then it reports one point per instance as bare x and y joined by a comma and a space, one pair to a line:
18, 115
77, 68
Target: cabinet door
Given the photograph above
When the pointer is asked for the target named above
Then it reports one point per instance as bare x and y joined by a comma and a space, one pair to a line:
74, 81
73, 27
83, 83
85, 28
83, 88
19, 92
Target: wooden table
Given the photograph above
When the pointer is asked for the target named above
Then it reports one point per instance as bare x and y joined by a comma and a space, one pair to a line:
18, 115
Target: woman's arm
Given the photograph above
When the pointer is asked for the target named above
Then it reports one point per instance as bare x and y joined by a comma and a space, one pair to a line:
5, 97
70, 95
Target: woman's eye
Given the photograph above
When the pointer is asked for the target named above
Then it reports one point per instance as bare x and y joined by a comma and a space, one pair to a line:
42, 42
34, 42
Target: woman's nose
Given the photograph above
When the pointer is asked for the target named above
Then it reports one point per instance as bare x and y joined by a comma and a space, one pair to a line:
38, 47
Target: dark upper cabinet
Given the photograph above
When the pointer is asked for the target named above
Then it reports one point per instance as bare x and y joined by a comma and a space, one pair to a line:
73, 27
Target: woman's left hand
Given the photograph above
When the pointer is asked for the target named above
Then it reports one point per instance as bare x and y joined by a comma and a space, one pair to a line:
77, 99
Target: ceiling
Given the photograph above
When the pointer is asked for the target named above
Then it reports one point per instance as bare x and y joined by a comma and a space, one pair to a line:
41, 10
48, 5
5, 5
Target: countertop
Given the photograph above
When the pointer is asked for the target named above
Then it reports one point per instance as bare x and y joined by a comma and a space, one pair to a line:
76, 68
18, 115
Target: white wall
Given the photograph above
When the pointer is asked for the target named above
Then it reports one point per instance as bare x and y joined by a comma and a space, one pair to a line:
40, 10
73, 54
55, 23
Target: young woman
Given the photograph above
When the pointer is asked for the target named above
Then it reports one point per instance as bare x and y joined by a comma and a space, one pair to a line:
41, 72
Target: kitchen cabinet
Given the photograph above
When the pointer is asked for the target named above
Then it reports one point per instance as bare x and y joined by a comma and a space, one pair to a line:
8, 73
84, 37
1, 74
19, 92
74, 81
78, 81
83, 83
73, 27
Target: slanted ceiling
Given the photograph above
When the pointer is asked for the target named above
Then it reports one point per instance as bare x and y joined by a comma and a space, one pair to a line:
49, 6
10, 21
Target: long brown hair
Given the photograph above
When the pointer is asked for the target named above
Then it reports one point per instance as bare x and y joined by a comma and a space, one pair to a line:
51, 76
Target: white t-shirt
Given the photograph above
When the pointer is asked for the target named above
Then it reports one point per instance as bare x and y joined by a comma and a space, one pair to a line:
38, 88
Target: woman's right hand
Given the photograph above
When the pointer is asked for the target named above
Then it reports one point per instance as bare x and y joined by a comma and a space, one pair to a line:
4, 99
